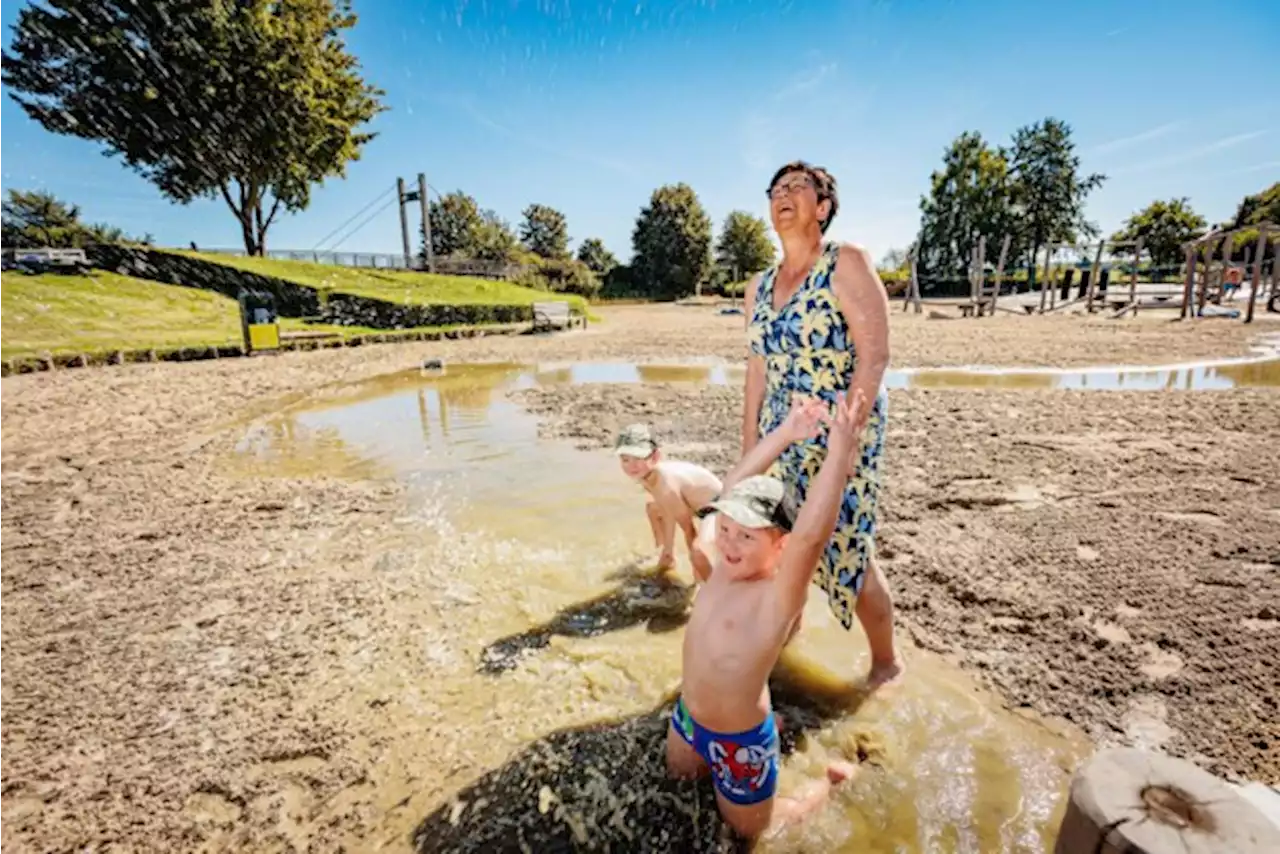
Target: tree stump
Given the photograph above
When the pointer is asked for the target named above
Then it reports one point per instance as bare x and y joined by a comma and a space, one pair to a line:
1129, 801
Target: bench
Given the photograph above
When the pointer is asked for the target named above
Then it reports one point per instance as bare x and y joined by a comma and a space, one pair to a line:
551, 315
44, 259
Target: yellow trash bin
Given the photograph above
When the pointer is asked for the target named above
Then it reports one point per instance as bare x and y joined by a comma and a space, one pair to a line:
259, 322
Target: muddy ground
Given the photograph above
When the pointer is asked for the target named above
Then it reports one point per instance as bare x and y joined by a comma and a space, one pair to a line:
176, 638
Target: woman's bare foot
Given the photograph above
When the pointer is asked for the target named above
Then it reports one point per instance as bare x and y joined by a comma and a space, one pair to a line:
883, 673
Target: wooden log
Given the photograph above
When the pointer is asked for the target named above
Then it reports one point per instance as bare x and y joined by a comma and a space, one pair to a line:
1128, 801
1190, 281
1094, 272
1256, 284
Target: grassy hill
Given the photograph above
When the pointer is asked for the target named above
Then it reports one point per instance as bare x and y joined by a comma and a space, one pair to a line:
102, 312
391, 285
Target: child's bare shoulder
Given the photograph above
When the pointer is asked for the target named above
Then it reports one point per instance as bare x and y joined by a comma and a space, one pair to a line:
686, 472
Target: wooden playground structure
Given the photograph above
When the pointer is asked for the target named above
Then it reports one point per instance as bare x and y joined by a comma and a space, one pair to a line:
1205, 279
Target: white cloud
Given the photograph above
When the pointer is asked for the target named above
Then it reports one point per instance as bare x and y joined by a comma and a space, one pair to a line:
1192, 153
1134, 139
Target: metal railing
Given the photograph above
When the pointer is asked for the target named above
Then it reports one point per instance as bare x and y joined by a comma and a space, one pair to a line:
388, 261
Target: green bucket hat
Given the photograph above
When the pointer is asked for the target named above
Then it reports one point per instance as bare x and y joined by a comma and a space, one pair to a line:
756, 502
635, 441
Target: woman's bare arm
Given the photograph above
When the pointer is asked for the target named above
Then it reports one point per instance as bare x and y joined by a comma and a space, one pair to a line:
753, 397
865, 307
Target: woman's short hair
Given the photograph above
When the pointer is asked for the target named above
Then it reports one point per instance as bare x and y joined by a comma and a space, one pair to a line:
823, 181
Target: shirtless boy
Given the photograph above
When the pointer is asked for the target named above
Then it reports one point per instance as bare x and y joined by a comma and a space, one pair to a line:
723, 720
676, 491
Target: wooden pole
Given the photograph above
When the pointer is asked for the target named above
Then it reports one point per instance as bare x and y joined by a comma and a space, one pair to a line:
426, 221
980, 272
1048, 276
1093, 275
1257, 272
1190, 280
404, 222
1133, 278
1004, 254
1202, 295
915, 284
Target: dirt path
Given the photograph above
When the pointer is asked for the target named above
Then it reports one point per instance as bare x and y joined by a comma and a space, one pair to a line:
161, 615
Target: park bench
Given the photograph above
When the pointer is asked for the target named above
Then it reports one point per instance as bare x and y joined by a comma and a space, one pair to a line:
39, 260
309, 335
551, 315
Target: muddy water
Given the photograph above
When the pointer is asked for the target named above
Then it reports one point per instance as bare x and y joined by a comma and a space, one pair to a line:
522, 699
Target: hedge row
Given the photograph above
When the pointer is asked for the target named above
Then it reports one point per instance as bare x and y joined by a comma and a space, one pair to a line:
350, 310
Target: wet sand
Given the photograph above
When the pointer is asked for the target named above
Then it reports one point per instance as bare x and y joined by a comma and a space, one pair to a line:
178, 638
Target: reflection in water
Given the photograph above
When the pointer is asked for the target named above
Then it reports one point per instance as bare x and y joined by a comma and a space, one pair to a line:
506, 534
1265, 373
660, 600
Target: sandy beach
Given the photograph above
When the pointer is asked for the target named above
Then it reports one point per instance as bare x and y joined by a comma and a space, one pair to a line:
1109, 559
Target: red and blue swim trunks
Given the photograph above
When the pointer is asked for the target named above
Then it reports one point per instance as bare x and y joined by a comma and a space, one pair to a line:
744, 765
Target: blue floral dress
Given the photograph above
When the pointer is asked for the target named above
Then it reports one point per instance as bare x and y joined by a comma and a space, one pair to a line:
807, 349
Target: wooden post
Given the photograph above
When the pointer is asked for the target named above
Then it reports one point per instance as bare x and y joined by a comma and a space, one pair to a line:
1202, 296
979, 273
1048, 275
1133, 279
1257, 272
404, 223
1004, 254
1094, 272
426, 221
915, 284
1190, 280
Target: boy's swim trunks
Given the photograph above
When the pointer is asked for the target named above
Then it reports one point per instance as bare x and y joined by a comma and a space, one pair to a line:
744, 765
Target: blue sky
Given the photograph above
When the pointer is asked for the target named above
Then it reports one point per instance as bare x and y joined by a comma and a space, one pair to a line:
589, 106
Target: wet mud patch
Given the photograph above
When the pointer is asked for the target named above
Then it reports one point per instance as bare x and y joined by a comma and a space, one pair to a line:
1078, 550
604, 786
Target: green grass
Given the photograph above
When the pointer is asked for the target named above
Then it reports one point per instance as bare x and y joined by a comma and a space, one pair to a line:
103, 312
392, 285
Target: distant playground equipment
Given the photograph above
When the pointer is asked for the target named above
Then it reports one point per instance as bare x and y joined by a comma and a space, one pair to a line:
259, 322
1088, 269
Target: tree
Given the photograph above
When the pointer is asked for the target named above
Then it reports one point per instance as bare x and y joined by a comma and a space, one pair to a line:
255, 100
544, 232
744, 247
34, 219
493, 240
671, 243
598, 259
970, 197
1260, 208
894, 259
1164, 228
455, 220
1255, 210
1049, 192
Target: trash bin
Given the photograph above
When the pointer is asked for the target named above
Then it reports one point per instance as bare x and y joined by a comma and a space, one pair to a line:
259, 322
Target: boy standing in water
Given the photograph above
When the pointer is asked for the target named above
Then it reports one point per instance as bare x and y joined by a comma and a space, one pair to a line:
723, 720
676, 490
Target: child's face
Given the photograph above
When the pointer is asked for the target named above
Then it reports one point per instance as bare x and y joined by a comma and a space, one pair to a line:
747, 552
638, 468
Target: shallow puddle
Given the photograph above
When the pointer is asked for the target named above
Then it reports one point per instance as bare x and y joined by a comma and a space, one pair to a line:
528, 707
